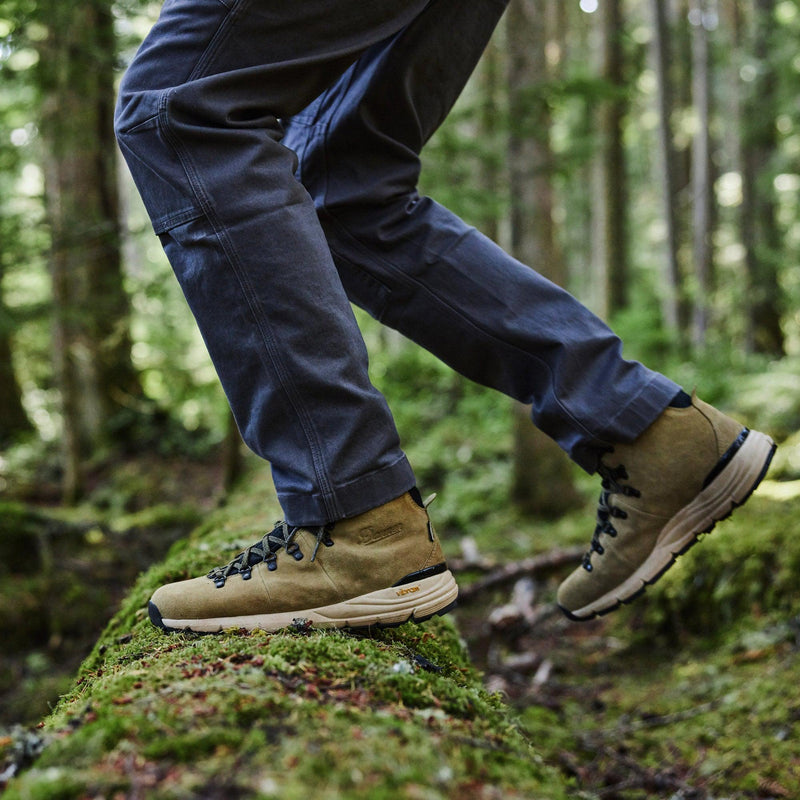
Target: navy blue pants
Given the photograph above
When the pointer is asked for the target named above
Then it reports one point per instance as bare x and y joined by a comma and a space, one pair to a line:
225, 106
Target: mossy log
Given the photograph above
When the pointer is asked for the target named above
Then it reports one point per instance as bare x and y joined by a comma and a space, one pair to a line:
399, 713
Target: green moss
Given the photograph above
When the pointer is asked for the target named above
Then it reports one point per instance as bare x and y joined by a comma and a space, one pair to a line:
688, 683
400, 713
686, 693
332, 713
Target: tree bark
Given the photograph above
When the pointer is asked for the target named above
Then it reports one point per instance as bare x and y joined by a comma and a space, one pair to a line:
671, 299
13, 419
490, 80
542, 475
91, 310
702, 178
611, 184
760, 233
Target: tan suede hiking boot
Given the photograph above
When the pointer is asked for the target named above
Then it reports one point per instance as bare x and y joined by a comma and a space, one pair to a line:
686, 472
381, 568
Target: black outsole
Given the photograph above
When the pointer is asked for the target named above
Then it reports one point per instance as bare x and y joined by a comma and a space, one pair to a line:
155, 617
689, 545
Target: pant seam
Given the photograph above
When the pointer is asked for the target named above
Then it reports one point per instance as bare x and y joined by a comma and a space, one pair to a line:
268, 340
482, 331
218, 39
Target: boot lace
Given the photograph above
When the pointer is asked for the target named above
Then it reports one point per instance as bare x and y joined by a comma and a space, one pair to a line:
281, 537
606, 512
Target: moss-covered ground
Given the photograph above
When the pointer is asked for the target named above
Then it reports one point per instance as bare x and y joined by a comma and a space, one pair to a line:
400, 713
689, 693
692, 691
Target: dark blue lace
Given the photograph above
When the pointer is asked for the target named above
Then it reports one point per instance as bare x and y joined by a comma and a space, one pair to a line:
281, 537
605, 510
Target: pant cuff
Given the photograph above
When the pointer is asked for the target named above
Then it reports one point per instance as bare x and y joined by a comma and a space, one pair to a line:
350, 499
630, 422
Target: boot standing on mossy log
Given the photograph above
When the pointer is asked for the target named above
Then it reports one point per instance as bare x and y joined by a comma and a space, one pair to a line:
224, 108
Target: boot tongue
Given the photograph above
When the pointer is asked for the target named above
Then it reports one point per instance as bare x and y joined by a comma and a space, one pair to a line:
255, 556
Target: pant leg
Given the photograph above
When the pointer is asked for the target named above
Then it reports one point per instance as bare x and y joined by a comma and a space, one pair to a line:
198, 122
420, 269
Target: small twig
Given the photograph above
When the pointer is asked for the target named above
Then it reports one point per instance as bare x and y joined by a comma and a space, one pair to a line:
506, 573
594, 738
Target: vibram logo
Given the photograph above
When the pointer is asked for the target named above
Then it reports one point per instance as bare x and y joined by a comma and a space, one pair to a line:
407, 590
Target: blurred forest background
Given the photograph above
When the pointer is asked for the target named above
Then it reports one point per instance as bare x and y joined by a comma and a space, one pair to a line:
643, 153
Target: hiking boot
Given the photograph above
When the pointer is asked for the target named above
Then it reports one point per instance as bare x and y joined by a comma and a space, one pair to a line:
686, 472
380, 568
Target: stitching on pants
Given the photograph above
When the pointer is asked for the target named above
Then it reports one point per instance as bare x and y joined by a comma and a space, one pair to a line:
472, 323
218, 39
317, 460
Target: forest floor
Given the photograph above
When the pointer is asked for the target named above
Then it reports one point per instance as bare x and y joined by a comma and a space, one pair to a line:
689, 693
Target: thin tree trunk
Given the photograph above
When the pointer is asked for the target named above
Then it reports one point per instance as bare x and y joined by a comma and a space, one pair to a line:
733, 20
702, 179
672, 277
13, 419
542, 475
490, 175
611, 185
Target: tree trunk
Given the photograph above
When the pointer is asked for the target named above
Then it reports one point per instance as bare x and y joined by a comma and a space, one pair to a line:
611, 185
542, 475
760, 234
702, 179
489, 75
13, 419
671, 302
91, 310
732, 23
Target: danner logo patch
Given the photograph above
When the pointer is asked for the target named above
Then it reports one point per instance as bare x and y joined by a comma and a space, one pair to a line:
407, 590
371, 535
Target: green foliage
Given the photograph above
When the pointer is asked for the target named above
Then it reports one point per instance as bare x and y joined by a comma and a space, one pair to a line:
715, 721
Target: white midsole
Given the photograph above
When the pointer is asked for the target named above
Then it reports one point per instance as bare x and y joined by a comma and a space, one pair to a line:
731, 487
395, 604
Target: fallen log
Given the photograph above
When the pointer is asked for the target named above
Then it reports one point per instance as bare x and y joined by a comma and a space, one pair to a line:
299, 713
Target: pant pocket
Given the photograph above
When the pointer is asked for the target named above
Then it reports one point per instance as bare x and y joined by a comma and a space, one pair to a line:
158, 175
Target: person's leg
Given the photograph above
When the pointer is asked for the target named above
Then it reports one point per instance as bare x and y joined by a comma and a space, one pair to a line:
668, 472
418, 268
198, 122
